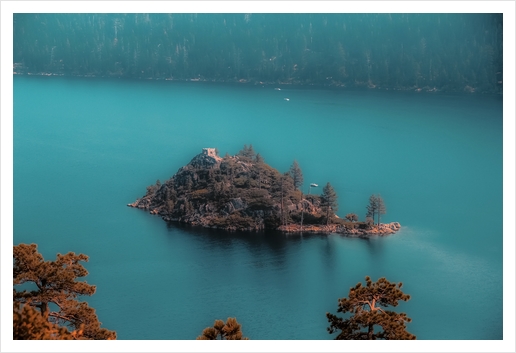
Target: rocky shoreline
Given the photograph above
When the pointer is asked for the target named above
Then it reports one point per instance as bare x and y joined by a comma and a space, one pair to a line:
376, 230
351, 231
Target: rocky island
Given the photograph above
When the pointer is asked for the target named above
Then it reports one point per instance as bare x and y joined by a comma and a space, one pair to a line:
242, 192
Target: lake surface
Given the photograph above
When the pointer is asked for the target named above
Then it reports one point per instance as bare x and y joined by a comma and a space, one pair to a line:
85, 148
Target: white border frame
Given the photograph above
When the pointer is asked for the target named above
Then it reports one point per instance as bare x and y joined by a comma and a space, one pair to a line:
8, 8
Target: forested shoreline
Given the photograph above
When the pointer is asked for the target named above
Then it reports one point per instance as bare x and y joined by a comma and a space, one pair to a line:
433, 52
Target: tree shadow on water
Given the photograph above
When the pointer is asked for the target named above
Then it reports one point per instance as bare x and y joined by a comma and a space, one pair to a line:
267, 245
374, 246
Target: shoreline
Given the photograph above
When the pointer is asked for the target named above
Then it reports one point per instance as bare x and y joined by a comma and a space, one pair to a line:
337, 85
376, 230
355, 232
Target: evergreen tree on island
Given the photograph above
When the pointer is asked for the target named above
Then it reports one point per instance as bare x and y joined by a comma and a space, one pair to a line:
247, 152
286, 188
365, 306
376, 206
381, 207
259, 159
296, 174
329, 200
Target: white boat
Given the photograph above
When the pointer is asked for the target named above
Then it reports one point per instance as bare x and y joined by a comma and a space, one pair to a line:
313, 185
287, 99
277, 89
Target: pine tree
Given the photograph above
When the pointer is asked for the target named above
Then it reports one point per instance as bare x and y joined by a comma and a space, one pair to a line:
372, 207
29, 324
296, 174
365, 306
247, 152
376, 207
56, 283
259, 167
231, 330
250, 152
189, 183
281, 188
352, 217
243, 151
259, 158
151, 189
170, 206
329, 200
381, 207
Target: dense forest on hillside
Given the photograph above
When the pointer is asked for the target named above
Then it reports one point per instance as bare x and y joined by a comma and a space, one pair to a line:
450, 52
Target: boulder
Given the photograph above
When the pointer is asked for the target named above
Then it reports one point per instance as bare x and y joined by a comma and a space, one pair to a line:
394, 226
238, 204
234, 205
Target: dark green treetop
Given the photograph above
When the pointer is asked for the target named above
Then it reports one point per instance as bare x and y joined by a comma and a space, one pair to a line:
259, 158
247, 152
376, 206
329, 200
296, 174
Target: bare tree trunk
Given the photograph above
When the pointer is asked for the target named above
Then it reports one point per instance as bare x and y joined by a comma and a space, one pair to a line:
370, 332
43, 307
302, 211
282, 215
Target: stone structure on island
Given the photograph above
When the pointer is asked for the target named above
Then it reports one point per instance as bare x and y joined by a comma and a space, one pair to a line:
210, 152
207, 159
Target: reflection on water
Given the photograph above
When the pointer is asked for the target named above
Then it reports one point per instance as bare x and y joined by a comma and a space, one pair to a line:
374, 246
269, 244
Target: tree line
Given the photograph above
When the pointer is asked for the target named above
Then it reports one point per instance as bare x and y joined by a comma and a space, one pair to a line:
52, 311
450, 52
329, 200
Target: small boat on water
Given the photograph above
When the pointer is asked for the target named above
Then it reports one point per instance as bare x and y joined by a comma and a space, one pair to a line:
277, 89
287, 99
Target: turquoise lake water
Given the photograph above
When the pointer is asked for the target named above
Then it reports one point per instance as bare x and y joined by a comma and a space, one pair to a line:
85, 148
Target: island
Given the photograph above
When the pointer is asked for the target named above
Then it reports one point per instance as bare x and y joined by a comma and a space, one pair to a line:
242, 192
